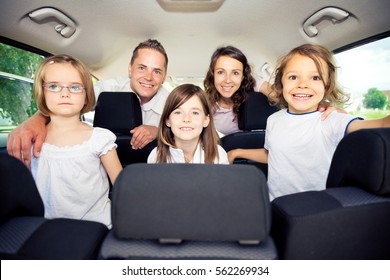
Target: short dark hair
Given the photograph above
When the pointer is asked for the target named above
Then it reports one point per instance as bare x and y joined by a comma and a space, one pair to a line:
150, 44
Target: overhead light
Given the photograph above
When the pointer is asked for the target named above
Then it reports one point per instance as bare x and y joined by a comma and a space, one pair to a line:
190, 6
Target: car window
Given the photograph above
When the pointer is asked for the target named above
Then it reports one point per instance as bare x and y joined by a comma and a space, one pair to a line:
364, 74
17, 68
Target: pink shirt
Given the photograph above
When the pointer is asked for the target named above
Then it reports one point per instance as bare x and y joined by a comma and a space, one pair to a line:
224, 121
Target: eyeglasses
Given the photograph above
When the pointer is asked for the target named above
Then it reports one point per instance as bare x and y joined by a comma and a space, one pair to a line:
53, 87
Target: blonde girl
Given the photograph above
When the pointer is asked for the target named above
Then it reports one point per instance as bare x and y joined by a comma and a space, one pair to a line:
71, 170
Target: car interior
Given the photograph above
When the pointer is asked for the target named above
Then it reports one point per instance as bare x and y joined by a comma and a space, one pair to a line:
197, 211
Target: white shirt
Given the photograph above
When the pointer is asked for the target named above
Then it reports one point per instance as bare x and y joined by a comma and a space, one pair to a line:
177, 155
72, 180
151, 111
301, 148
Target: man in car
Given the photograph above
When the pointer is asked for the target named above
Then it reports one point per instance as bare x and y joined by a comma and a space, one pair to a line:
147, 71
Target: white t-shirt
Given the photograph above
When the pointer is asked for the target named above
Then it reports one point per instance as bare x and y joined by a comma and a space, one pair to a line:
301, 148
72, 180
151, 111
178, 155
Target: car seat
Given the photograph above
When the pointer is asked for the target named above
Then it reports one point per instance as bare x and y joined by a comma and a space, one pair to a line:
350, 218
120, 112
26, 234
190, 211
252, 120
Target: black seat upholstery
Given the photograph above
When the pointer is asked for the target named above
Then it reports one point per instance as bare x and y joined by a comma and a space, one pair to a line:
348, 220
190, 211
252, 121
26, 234
120, 112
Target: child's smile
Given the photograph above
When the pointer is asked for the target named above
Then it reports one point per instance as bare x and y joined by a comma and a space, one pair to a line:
303, 88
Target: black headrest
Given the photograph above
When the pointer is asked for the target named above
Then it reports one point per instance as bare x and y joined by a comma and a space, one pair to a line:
255, 111
19, 195
202, 202
362, 159
118, 112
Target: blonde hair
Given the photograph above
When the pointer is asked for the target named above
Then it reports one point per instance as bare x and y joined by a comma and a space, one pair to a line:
208, 139
334, 95
85, 78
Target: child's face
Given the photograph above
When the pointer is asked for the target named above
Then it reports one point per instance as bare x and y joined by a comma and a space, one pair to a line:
228, 75
187, 121
303, 88
63, 103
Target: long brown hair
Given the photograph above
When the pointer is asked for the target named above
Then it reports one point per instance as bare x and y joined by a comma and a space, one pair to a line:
208, 139
247, 84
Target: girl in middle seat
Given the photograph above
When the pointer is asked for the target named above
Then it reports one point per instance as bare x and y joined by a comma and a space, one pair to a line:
186, 133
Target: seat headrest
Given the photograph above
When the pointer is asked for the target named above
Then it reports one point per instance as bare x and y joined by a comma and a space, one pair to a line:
362, 159
255, 111
19, 195
118, 112
202, 202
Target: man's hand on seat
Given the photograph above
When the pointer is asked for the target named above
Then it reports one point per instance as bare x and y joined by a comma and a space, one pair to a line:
20, 140
142, 135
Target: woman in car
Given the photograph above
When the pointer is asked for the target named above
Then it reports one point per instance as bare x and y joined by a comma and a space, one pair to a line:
71, 170
186, 133
227, 83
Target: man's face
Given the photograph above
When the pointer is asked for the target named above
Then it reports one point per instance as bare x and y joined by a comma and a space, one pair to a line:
147, 73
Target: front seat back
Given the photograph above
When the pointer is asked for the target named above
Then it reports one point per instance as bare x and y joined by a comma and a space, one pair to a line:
252, 120
190, 211
350, 218
26, 234
120, 112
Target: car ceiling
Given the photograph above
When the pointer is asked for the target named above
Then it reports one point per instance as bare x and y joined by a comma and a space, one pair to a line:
107, 31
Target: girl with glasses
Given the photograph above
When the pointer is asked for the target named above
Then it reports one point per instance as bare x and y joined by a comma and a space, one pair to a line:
71, 170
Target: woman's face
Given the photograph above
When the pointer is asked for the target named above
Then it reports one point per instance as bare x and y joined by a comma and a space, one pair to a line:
228, 75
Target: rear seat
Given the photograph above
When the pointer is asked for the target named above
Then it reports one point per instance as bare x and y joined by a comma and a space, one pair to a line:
120, 112
252, 121
26, 234
350, 218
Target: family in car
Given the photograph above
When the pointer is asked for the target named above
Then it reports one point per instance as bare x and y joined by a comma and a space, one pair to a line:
300, 138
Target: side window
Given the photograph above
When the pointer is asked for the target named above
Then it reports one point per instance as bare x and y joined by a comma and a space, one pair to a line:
364, 74
17, 68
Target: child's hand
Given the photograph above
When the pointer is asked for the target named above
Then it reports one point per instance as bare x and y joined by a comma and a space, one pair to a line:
232, 154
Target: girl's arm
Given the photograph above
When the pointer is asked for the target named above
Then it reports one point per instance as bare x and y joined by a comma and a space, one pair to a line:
362, 124
259, 155
112, 164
